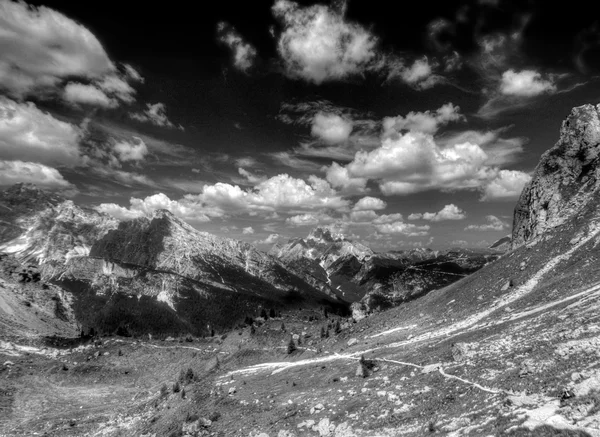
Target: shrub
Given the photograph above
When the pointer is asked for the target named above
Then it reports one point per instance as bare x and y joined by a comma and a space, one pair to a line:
176, 387
164, 390
291, 347
189, 375
338, 327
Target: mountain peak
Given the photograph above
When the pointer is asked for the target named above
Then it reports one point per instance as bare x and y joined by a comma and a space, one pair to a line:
565, 180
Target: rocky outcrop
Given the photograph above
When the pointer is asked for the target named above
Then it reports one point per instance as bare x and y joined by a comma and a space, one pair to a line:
564, 181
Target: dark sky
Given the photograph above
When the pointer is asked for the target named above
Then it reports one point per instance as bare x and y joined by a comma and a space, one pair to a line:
260, 120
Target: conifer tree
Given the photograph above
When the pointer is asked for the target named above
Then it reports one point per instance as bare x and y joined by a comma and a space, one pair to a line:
291, 347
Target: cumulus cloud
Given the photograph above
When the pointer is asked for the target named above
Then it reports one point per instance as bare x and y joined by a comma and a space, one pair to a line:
507, 186
331, 128
339, 176
399, 227
448, 212
309, 219
29, 134
41, 47
318, 44
418, 75
525, 83
427, 122
184, 209
155, 114
131, 151
281, 193
414, 162
244, 54
248, 230
501, 151
271, 239
369, 203
493, 224
12, 172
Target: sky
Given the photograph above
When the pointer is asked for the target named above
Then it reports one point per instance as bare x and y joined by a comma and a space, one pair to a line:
397, 127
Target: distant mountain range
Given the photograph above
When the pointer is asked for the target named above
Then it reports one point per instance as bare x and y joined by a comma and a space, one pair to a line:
378, 280
159, 274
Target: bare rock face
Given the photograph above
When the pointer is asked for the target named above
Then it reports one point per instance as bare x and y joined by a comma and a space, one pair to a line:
564, 181
40, 227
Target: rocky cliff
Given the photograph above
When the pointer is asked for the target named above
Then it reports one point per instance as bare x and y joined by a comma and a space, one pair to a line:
564, 181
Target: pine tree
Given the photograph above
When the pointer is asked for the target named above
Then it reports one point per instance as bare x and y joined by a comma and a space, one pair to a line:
325, 313
327, 333
189, 376
282, 327
183, 393
176, 387
322, 332
338, 328
272, 313
263, 314
291, 347
252, 330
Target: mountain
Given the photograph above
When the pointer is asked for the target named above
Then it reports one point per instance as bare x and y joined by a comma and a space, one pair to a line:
40, 227
566, 179
152, 274
377, 280
502, 245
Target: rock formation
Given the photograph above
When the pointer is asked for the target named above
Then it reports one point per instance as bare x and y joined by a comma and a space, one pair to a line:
564, 181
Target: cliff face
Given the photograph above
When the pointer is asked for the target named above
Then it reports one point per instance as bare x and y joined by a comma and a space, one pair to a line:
564, 181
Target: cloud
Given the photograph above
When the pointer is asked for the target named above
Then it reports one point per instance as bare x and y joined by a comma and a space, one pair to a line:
12, 172
78, 93
493, 224
331, 128
369, 203
427, 122
246, 161
448, 212
244, 54
183, 209
290, 160
281, 193
131, 151
500, 151
418, 75
250, 177
271, 239
339, 177
507, 186
414, 162
399, 227
363, 216
318, 44
388, 218
41, 47
248, 230
28, 134
309, 219
526, 83
155, 114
